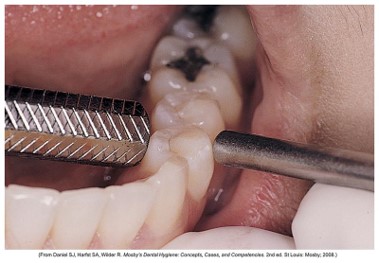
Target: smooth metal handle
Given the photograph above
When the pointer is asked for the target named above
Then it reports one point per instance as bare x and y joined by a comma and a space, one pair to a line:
322, 165
71, 127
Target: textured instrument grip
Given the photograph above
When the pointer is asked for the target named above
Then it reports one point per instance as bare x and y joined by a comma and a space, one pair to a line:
71, 127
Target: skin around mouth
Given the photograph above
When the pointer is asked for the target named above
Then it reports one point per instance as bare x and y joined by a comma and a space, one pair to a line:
288, 104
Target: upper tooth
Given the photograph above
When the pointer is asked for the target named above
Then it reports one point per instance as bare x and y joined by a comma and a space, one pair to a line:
78, 215
29, 215
331, 217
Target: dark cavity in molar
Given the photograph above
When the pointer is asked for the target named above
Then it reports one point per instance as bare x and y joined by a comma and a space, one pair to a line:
190, 64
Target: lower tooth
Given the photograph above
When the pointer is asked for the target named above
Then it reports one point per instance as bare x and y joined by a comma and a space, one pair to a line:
180, 109
125, 214
331, 217
170, 183
220, 86
29, 215
195, 146
232, 26
78, 215
214, 82
187, 28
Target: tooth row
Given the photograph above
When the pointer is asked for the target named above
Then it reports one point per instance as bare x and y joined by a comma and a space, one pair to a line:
186, 118
116, 214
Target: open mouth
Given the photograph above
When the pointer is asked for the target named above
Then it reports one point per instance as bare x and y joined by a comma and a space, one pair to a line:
198, 71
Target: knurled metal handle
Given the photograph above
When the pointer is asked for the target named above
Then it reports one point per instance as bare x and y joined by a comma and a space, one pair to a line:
71, 127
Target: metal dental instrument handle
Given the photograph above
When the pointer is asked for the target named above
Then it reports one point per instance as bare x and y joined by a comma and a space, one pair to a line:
70, 127
322, 165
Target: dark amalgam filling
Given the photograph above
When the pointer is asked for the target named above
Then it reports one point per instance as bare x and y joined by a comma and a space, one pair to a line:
190, 64
202, 14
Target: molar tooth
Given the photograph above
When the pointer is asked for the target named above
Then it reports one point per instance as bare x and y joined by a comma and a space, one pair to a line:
232, 26
78, 215
331, 217
220, 86
184, 108
221, 56
171, 48
170, 183
187, 28
125, 213
168, 49
211, 80
165, 81
29, 215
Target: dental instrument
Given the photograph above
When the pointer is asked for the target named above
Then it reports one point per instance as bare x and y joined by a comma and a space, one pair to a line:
322, 165
110, 132
62, 126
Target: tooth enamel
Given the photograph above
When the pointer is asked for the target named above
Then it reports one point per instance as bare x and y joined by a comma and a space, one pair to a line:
29, 215
331, 217
220, 86
169, 48
232, 27
184, 141
170, 183
222, 57
125, 213
158, 151
78, 215
196, 147
184, 108
187, 28
212, 81
232, 237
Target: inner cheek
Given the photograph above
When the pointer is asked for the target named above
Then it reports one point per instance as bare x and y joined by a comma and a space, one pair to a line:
101, 55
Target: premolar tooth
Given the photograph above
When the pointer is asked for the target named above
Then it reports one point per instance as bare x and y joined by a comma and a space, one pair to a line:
188, 142
77, 218
158, 151
125, 213
170, 183
196, 147
29, 215
232, 26
184, 108
331, 217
